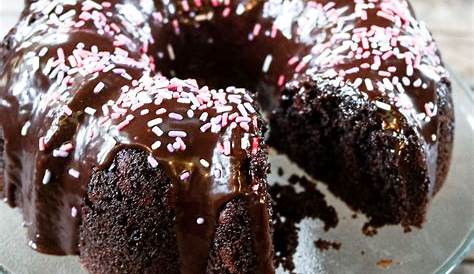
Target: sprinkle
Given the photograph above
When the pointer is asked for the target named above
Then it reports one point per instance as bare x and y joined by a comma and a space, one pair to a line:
170, 50
249, 107
200, 221
204, 163
156, 145
73, 212
221, 109
67, 110
255, 145
190, 113
175, 116
42, 145
154, 122
185, 175
89, 111
60, 153
177, 133
158, 132
256, 29
25, 128
152, 161
242, 110
383, 105
266, 63
99, 87
227, 147
293, 60
368, 84
46, 177
74, 173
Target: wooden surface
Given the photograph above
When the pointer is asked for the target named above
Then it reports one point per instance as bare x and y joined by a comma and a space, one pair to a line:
452, 24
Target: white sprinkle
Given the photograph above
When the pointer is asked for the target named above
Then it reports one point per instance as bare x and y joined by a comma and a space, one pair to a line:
190, 113
99, 87
383, 105
60, 153
152, 161
177, 133
433, 137
417, 83
74, 173
221, 109
157, 131
204, 163
368, 84
154, 122
156, 145
249, 107
175, 116
242, 110
24, 129
46, 177
409, 70
144, 111
200, 221
170, 52
43, 52
73, 212
266, 63
89, 111
388, 85
203, 116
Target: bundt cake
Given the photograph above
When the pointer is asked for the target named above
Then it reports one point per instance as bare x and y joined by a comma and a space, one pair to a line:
111, 157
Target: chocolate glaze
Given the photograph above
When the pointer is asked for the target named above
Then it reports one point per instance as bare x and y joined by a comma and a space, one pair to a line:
67, 127
255, 44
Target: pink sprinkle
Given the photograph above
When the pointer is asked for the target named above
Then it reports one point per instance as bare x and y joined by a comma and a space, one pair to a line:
123, 124
256, 29
42, 145
300, 66
255, 145
293, 60
67, 111
198, 3
185, 5
274, 32
281, 80
185, 175
60, 52
67, 147
226, 12
181, 144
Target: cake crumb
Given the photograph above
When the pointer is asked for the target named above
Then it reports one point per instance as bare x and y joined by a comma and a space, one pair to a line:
385, 263
325, 245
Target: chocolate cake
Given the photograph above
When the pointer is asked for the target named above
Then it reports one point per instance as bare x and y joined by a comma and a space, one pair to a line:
111, 157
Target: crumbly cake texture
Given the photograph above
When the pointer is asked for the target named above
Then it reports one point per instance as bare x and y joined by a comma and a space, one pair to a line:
355, 91
290, 207
128, 223
353, 151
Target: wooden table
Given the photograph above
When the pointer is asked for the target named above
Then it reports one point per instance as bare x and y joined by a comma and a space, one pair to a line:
452, 24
